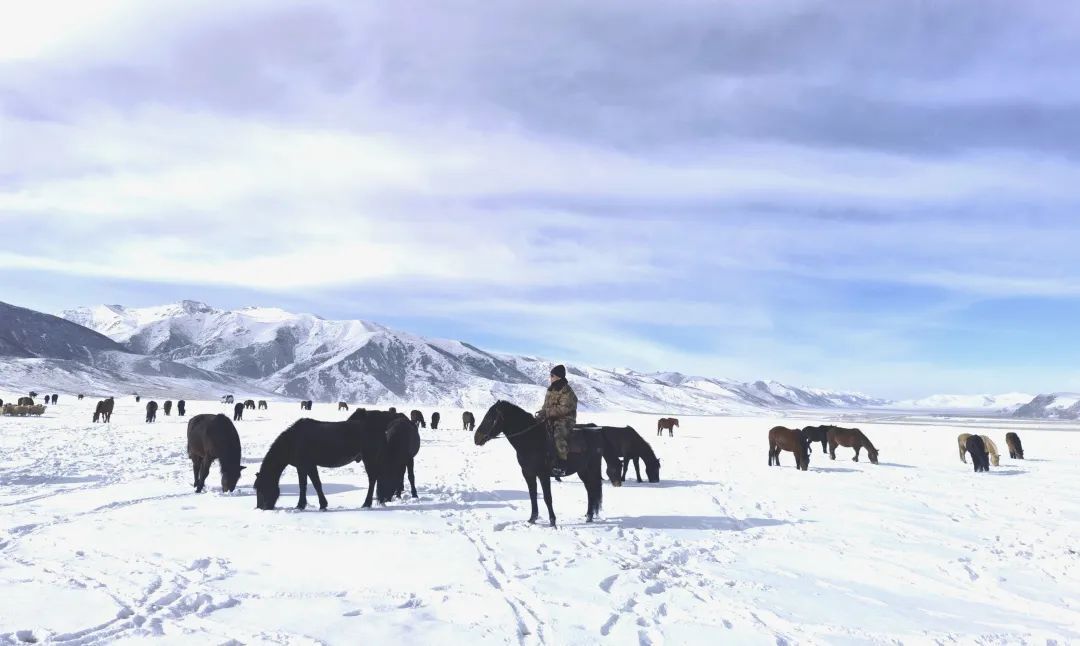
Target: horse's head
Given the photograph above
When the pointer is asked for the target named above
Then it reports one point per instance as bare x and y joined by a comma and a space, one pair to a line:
652, 470
266, 492
492, 424
872, 453
614, 472
229, 478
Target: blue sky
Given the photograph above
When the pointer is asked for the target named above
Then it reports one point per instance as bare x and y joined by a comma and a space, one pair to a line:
871, 196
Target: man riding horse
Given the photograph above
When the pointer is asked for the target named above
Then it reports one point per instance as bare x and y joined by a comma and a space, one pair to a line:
560, 415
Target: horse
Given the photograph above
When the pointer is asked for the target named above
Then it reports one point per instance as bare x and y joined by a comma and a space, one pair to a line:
167, 407
309, 444
305, 405
25, 401
402, 445
55, 397
262, 404
238, 412
151, 411
249, 404
787, 439
342, 406
961, 441
851, 438
991, 450
819, 434
468, 421
668, 423
103, 410
181, 408
137, 399
530, 441
1016, 449
630, 446
209, 438
418, 418
979, 458
80, 397
227, 399
435, 417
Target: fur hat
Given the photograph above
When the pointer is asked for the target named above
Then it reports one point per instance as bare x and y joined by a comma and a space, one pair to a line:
559, 371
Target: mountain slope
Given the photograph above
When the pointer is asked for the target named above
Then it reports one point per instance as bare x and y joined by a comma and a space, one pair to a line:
302, 356
1051, 406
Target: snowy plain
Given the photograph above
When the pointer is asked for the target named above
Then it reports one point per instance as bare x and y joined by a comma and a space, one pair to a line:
102, 540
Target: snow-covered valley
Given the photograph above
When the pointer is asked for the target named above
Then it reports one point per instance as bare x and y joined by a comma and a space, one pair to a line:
103, 541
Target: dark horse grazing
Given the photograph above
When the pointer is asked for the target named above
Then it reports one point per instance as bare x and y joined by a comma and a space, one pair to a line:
852, 438
819, 434
151, 411
435, 417
238, 412
55, 398
181, 408
167, 407
305, 405
529, 439
668, 423
249, 404
468, 421
1016, 449
103, 410
786, 439
342, 406
416, 417
262, 404
209, 438
402, 445
630, 446
979, 457
309, 444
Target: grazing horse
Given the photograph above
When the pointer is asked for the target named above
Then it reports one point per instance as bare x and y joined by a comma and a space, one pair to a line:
530, 441
262, 405
55, 397
402, 445
961, 441
227, 399
249, 404
151, 411
342, 406
468, 421
979, 458
309, 444
1016, 449
80, 397
668, 423
167, 407
852, 438
626, 443
819, 434
181, 408
305, 405
103, 410
787, 439
435, 417
209, 438
238, 412
418, 418
991, 450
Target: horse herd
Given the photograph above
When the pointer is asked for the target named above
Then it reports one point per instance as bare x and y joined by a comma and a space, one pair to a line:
25, 406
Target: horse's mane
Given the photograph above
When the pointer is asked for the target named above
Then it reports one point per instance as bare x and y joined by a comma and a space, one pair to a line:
646, 450
508, 407
280, 446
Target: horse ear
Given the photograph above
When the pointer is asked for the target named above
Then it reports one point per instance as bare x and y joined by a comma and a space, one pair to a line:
243, 467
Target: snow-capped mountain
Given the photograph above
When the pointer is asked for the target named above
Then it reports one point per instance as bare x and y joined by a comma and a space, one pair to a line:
302, 355
1051, 406
44, 352
1004, 403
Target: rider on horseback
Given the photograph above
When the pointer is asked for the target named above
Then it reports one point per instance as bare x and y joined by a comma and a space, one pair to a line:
560, 415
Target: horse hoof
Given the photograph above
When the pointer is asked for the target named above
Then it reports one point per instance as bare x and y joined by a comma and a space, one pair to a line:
532, 521
588, 519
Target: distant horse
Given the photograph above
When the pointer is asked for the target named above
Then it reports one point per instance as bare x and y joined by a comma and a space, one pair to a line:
262, 404
787, 439
416, 417
137, 399
979, 458
852, 438
249, 404
167, 407
238, 412
342, 406
305, 405
530, 441
309, 444
227, 399
991, 450
435, 417
468, 422
819, 434
80, 397
628, 444
151, 411
1016, 449
668, 423
103, 410
55, 397
397, 457
209, 438
25, 401
181, 408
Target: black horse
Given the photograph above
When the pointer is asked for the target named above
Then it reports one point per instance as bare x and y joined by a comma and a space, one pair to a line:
398, 456
249, 404
103, 410
435, 417
418, 418
305, 404
167, 407
181, 408
1016, 449
979, 457
309, 444
151, 411
262, 404
213, 437
238, 412
55, 398
530, 441
468, 421
626, 443
818, 434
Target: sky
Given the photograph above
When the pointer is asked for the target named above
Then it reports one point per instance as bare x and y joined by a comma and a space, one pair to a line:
874, 196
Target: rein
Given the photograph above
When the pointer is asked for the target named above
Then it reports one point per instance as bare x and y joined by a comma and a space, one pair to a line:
522, 431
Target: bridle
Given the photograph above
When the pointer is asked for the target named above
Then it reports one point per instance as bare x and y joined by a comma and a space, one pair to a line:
498, 421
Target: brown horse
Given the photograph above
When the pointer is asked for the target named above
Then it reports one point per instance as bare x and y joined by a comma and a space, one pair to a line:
668, 423
343, 406
786, 439
1016, 449
852, 438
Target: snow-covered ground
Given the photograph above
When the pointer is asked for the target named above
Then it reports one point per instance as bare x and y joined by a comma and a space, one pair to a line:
103, 541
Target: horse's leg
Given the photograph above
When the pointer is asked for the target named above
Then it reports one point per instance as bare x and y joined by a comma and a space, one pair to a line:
412, 479
301, 471
586, 475
824, 447
196, 466
832, 450
204, 471
317, 481
637, 468
371, 479
530, 482
545, 483
856, 458
625, 468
